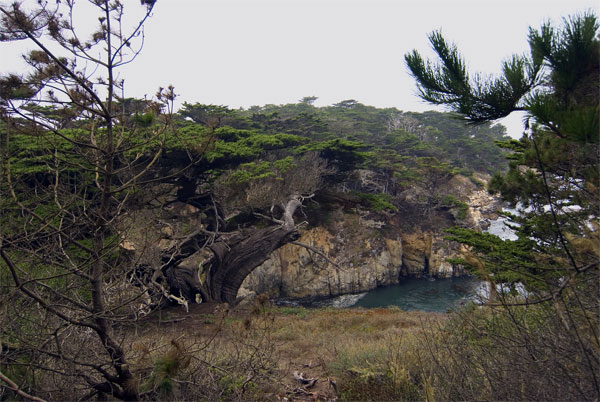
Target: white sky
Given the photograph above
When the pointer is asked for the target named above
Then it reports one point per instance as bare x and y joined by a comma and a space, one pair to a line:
254, 52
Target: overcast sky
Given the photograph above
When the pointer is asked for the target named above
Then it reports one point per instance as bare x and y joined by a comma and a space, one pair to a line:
254, 52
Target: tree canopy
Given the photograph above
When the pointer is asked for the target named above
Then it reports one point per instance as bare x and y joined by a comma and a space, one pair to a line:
553, 181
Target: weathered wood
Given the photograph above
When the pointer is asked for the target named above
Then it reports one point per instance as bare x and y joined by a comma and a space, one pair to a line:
235, 256
235, 260
308, 382
248, 254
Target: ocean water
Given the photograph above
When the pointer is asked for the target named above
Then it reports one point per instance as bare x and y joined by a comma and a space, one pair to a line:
438, 295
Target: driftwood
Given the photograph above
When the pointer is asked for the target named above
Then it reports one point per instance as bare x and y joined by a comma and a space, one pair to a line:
333, 385
307, 382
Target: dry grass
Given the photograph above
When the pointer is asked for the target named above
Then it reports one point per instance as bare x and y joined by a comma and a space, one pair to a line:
301, 333
252, 353
372, 354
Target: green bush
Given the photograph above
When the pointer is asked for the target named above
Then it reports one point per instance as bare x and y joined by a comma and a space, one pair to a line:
449, 201
378, 202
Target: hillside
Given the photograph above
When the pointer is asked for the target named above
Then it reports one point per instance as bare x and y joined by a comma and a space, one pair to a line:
223, 174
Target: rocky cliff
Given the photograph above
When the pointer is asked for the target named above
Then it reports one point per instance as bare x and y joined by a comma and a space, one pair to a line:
365, 247
372, 250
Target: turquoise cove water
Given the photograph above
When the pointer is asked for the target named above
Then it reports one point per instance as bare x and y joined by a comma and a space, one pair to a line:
438, 295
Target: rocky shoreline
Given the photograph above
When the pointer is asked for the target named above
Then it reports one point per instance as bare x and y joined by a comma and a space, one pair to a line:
369, 256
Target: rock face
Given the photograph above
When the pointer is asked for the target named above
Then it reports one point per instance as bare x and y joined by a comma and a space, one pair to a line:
295, 272
369, 248
369, 251
425, 254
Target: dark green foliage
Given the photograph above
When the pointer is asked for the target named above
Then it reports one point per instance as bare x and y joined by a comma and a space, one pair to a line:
32, 154
403, 150
213, 115
343, 153
450, 201
167, 367
260, 170
245, 145
553, 170
14, 87
507, 262
378, 202
466, 146
389, 130
144, 120
448, 82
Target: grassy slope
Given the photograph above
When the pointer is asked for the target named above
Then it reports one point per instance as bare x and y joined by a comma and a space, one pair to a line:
252, 353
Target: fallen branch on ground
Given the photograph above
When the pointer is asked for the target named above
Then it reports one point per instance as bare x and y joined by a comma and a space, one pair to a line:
309, 382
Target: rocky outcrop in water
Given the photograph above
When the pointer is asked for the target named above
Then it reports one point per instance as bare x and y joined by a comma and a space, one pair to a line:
296, 272
364, 263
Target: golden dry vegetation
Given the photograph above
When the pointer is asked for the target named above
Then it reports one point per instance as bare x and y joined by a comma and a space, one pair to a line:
252, 353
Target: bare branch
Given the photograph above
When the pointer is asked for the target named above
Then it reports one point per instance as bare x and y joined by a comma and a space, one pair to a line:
15, 388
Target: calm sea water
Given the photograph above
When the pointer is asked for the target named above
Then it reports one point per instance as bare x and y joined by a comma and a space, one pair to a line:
439, 295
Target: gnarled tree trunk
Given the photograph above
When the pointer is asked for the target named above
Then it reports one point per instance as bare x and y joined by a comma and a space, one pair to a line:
234, 261
234, 258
